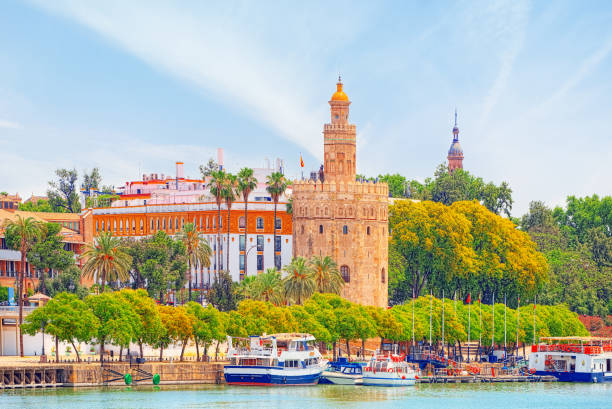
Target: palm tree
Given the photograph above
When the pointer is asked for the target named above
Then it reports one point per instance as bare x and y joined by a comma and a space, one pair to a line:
26, 230
230, 190
299, 283
196, 248
217, 181
269, 287
277, 185
244, 289
107, 260
326, 275
246, 184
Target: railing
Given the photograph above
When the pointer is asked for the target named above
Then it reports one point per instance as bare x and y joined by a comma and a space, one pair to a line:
15, 309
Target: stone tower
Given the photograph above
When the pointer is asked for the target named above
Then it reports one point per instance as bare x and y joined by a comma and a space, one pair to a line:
339, 217
455, 153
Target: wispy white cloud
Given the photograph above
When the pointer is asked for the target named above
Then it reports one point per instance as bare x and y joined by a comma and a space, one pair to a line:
505, 23
585, 69
9, 124
222, 53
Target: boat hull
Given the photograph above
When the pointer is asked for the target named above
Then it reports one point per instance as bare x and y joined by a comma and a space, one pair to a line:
387, 381
589, 377
270, 376
335, 378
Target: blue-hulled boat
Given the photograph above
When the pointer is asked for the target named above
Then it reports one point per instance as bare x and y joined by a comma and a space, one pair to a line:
274, 360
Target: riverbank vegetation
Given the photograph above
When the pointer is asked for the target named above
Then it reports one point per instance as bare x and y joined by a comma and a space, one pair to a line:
129, 317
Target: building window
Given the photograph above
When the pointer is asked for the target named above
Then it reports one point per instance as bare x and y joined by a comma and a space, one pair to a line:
260, 262
345, 229
207, 223
176, 223
151, 224
260, 243
320, 229
302, 229
346, 275
164, 224
242, 242
115, 225
141, 225
241, 222
182, 222
368, 230
157, 224
242, 262
134, 225
278, 224
260, 224
97, 226
214, 224
277, 243
201, 225
277, 261
383, 278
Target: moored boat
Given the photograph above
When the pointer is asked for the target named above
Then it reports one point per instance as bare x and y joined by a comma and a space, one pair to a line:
573, 359
389, 370
342, 372
274, 360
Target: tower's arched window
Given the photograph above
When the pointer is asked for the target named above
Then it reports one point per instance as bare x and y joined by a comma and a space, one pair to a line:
345, 229
302, 230
320, 229
260, 223
346, 274
241, 222
368, 230
383, 277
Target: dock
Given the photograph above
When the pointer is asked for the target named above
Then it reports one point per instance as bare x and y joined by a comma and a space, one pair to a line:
485, 379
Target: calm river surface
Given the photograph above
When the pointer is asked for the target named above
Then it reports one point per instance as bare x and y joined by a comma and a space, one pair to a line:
472, 396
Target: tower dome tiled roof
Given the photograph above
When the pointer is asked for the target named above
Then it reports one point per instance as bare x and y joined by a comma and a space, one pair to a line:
455, 149
339, 95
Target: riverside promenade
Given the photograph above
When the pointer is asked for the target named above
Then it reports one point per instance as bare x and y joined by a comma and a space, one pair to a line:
29, 373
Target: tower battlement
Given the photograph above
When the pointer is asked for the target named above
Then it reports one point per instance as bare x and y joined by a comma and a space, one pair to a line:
307, 186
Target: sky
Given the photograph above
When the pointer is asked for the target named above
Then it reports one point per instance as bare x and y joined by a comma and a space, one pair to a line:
133, 86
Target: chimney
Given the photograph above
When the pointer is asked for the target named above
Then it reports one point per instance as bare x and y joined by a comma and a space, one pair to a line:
220, 158
179, 170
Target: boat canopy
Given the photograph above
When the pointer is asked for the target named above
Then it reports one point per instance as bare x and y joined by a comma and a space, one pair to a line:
580, 339
292, 336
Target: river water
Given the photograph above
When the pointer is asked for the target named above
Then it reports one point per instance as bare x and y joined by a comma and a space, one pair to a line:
506, 396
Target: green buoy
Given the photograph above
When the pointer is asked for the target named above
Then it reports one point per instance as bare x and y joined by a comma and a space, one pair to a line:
127, 379
156, 379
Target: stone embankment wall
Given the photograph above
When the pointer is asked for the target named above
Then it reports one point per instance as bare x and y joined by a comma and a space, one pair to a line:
92, 374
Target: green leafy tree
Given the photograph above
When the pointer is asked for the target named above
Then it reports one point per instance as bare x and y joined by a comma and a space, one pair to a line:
47, 252
159, 263
21, 234
277, 185
247, 182
106, 260
67, 318
63, 195
200, 331
151, 328
299, 282
211, 167
69, 281
398, 185
222, 294
118, 323
41, 205
91, 180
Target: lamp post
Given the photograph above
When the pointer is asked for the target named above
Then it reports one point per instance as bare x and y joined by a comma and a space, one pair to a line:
42, 327
247, 255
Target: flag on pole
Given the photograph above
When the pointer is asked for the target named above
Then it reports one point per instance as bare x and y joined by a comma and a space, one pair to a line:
469, 299
301, 161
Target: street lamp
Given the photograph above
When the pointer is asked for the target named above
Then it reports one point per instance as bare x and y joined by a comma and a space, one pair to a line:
42, 327
247, 255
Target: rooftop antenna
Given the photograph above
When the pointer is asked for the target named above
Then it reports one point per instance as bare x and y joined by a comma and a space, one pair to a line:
455, 116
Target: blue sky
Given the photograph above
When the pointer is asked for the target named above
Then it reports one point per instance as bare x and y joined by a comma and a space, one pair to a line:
133, 86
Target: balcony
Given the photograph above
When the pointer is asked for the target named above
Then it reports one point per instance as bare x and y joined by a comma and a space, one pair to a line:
10, 255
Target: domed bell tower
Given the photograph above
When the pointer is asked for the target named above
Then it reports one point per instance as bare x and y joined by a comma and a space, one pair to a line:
455, 153
339, 140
